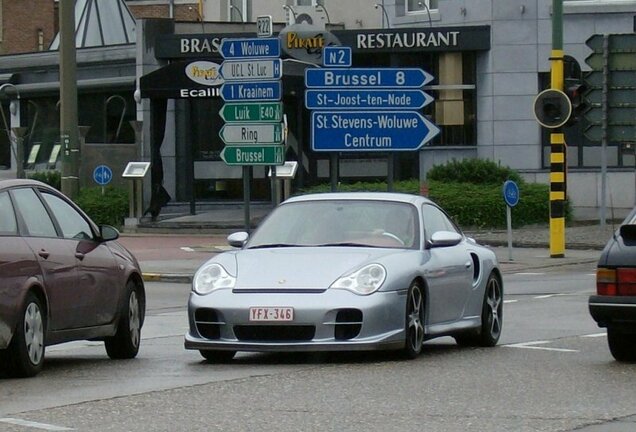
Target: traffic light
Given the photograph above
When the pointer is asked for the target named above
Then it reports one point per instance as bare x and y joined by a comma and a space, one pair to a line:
552, 108
574, 89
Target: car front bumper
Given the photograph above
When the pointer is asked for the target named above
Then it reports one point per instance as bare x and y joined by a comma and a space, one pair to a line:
614, 311
377, 323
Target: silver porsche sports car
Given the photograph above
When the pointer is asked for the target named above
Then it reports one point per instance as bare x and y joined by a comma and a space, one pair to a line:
344, 272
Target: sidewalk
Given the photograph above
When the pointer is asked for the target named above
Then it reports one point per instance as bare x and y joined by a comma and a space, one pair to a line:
175, 256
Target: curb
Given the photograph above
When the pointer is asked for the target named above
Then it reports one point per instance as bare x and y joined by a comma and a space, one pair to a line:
167, 277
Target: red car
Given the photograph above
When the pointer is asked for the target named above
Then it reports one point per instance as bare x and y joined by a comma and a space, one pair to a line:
62, 278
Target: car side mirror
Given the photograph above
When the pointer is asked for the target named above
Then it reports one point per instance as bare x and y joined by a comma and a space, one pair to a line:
237, 239
108, 232
445, 239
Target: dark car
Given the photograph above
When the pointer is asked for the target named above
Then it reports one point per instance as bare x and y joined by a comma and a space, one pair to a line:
614, 306
62, 278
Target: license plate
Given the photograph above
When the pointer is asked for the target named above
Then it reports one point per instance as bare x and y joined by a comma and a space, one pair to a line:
271, 314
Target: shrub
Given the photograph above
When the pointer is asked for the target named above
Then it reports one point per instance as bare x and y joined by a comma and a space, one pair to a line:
105, 206
476, 171
482, 206
470, 204
51, 177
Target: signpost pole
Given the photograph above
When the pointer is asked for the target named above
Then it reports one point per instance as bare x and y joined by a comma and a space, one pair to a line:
273, 186
509, 225
390, 160
333, 171
511, 198
604, 124
246, 196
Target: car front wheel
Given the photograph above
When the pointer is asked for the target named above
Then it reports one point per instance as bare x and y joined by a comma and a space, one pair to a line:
414, 321
622, 345
25, 355
125, 343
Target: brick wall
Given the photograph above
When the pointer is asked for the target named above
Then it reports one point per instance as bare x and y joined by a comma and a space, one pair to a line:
22, 20
182, 12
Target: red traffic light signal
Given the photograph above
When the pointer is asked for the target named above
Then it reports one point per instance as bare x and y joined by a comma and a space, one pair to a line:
552, 108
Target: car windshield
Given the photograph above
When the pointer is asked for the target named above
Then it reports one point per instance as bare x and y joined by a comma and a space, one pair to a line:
354, 223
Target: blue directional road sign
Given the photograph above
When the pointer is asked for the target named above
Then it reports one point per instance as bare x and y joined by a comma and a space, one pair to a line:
251, 91
366, 77
336, 56
366, 99
102, 175
253, 48
352, 131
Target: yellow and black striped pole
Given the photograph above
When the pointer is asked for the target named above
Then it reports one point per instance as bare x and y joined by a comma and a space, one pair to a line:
558, 148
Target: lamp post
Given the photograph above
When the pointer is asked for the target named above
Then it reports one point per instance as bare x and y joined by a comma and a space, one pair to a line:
232, 7
19, 133
69, 133
324, 9
14, 133
428, 12
289, 8
384, 15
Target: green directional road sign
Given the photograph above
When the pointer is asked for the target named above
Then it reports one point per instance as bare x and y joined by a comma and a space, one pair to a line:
252, 133
254, 155
620, 133
252, 112
611, 91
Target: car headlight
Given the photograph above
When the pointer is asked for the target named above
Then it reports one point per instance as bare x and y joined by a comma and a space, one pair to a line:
364, 281
210, 277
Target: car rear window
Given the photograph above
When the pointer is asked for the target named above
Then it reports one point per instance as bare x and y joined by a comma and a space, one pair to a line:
36, 218
8, 225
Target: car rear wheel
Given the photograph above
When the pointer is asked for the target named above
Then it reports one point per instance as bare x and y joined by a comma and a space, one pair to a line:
25, 355
491, 317
622, 345
125, 343
414, 321
217, 356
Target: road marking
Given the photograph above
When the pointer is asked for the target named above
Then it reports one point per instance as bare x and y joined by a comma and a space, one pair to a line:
545, 296
595, 335
34, 425
532, 345
187, 249
528, 274
510, 301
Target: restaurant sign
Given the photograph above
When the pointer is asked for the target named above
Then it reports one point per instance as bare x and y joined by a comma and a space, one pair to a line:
183, 80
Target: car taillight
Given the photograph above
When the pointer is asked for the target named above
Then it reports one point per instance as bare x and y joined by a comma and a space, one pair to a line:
606, 282
626, 281
616, 282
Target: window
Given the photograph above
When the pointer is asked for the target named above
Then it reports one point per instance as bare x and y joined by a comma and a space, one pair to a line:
419, 6
8, 224
73, 225
309, 2
435, 220
36, 218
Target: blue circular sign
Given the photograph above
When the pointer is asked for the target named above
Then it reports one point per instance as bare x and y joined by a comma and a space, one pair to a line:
102, 175
511, 193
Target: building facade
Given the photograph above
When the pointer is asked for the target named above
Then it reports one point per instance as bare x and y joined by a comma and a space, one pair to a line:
489, 58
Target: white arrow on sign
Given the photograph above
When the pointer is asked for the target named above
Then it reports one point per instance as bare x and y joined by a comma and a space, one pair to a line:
239, 70
252, 133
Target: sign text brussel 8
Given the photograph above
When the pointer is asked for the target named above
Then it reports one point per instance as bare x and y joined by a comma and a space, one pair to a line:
367, 78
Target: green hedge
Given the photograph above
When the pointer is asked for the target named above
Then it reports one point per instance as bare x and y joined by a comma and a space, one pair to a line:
476, 171
110, 208
51, 177
472, 205
469, 204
